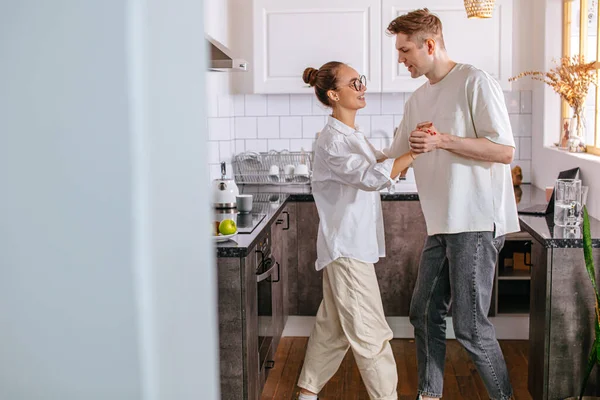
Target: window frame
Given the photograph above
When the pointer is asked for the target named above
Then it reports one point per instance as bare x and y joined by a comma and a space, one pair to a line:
593, 148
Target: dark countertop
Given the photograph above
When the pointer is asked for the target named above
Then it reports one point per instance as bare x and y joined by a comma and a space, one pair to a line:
271, 200
543, 228
269, 204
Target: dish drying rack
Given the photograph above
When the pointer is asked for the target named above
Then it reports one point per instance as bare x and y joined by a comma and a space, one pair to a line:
252, 168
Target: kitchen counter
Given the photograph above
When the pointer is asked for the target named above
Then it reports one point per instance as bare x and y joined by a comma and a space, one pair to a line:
271, 200
542, 228
272, 207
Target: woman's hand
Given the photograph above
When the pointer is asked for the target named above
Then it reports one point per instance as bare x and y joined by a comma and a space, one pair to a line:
425, 138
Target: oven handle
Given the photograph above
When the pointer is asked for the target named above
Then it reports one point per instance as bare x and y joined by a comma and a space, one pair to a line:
278, 274
267, 273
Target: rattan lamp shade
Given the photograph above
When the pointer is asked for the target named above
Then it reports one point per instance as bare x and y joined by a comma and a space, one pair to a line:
479, 8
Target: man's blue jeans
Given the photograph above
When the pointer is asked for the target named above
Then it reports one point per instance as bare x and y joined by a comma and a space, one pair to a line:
458, 269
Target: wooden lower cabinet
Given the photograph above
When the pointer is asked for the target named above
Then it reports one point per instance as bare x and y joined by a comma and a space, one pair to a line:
238, 328
561, 323
397, 272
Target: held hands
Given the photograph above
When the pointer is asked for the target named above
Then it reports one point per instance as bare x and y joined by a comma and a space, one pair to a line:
424, 138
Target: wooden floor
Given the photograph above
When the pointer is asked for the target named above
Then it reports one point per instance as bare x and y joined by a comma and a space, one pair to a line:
461, 380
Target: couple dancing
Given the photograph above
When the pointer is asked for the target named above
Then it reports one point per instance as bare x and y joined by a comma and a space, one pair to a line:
456, 134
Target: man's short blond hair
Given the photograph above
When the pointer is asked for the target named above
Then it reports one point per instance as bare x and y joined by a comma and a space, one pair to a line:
418, 25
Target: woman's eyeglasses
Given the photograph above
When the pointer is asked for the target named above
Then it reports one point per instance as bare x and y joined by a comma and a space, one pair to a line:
359, 84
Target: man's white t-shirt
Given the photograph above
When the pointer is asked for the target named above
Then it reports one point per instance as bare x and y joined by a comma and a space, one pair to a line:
459, 194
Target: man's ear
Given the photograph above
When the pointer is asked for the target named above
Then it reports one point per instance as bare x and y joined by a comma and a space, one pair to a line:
431, 45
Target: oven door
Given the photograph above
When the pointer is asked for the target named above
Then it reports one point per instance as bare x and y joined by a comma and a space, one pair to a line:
266, 273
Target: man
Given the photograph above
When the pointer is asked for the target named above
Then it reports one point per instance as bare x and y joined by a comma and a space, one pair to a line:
459, 123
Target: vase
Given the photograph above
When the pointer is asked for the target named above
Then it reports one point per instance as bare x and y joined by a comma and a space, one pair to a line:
576, 133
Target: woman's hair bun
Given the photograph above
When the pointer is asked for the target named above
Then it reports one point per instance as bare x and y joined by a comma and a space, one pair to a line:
310, 76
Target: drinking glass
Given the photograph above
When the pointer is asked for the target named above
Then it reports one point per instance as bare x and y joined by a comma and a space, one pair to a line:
567, 202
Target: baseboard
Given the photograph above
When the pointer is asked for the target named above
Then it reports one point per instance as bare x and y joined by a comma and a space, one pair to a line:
507, 327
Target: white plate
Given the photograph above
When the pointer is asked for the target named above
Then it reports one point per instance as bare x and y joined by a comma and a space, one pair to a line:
223, 238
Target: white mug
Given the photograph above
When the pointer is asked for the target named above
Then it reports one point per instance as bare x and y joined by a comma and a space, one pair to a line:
274, 173
301, 172
301, 169
288, 170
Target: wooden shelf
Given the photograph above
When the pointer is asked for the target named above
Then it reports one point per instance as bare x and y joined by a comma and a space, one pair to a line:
513, 274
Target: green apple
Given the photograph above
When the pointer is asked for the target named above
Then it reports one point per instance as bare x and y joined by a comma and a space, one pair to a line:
227, 227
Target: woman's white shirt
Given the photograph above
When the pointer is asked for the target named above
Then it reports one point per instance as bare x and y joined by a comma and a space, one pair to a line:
345, 183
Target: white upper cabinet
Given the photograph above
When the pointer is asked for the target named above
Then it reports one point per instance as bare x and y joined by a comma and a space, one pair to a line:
286, 36
290, 35
484, 43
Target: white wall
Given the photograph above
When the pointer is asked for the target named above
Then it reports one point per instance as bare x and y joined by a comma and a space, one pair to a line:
106, 282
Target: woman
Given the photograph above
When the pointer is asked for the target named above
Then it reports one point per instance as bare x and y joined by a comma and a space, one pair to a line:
347, 176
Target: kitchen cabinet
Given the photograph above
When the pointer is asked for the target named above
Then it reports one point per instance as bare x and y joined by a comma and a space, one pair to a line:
396, 273
484, 43
238, 328
561, 324
280, 248
405, 236
292, 35
252, 302
285, 37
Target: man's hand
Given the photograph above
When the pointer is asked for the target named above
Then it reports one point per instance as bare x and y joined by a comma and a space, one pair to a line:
382, 159
425, 138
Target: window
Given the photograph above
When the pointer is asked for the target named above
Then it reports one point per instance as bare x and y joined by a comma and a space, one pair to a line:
580, 36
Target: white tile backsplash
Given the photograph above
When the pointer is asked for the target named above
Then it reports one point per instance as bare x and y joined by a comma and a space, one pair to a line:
240, 146
255, 105
386, 142
521, 124
525, 147
219, 129
213, 152
526, 102
239, 107
319, 108
312, 125
373, 104
291, 127
256, 145
300, 144
245, 127
278, 144
301, 104
268, 127
212, 108
513, 102
278, 104
392, 103
261, 123
225, 106
517, 148
376, 142
397, 120
364, 123
382, 126
215, 171
225, 152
